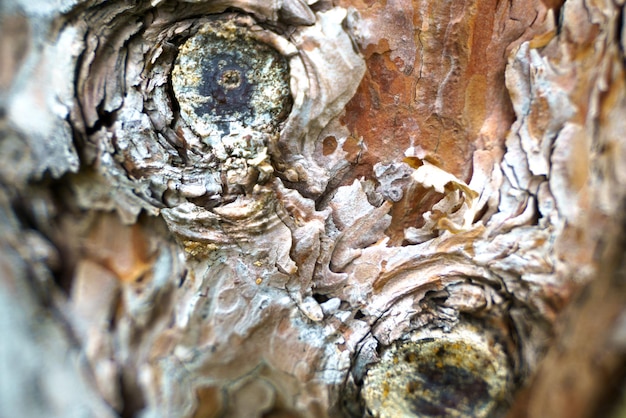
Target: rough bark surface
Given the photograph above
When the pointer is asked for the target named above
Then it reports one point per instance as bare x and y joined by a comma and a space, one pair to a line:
239, 208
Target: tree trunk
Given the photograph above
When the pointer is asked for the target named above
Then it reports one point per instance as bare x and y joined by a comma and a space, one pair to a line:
333, 208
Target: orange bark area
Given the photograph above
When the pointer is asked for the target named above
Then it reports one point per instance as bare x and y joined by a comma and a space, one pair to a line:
209, 402
122, 249
435, 78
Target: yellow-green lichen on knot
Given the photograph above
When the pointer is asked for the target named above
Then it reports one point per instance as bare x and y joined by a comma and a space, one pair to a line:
225, 80
457, 374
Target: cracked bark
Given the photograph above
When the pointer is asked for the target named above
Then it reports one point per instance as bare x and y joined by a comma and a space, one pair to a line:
325, 208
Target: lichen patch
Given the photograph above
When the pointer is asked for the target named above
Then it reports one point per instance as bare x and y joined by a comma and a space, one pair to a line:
225, 80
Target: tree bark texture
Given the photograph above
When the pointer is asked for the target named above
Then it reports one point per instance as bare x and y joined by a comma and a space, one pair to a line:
347, 208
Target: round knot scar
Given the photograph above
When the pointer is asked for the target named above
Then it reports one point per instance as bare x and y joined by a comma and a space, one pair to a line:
223, 76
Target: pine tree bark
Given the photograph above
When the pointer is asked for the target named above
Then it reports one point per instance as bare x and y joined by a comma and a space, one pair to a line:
239, 208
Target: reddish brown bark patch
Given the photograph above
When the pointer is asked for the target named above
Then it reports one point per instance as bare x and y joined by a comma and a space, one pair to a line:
435, 78
329, 145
